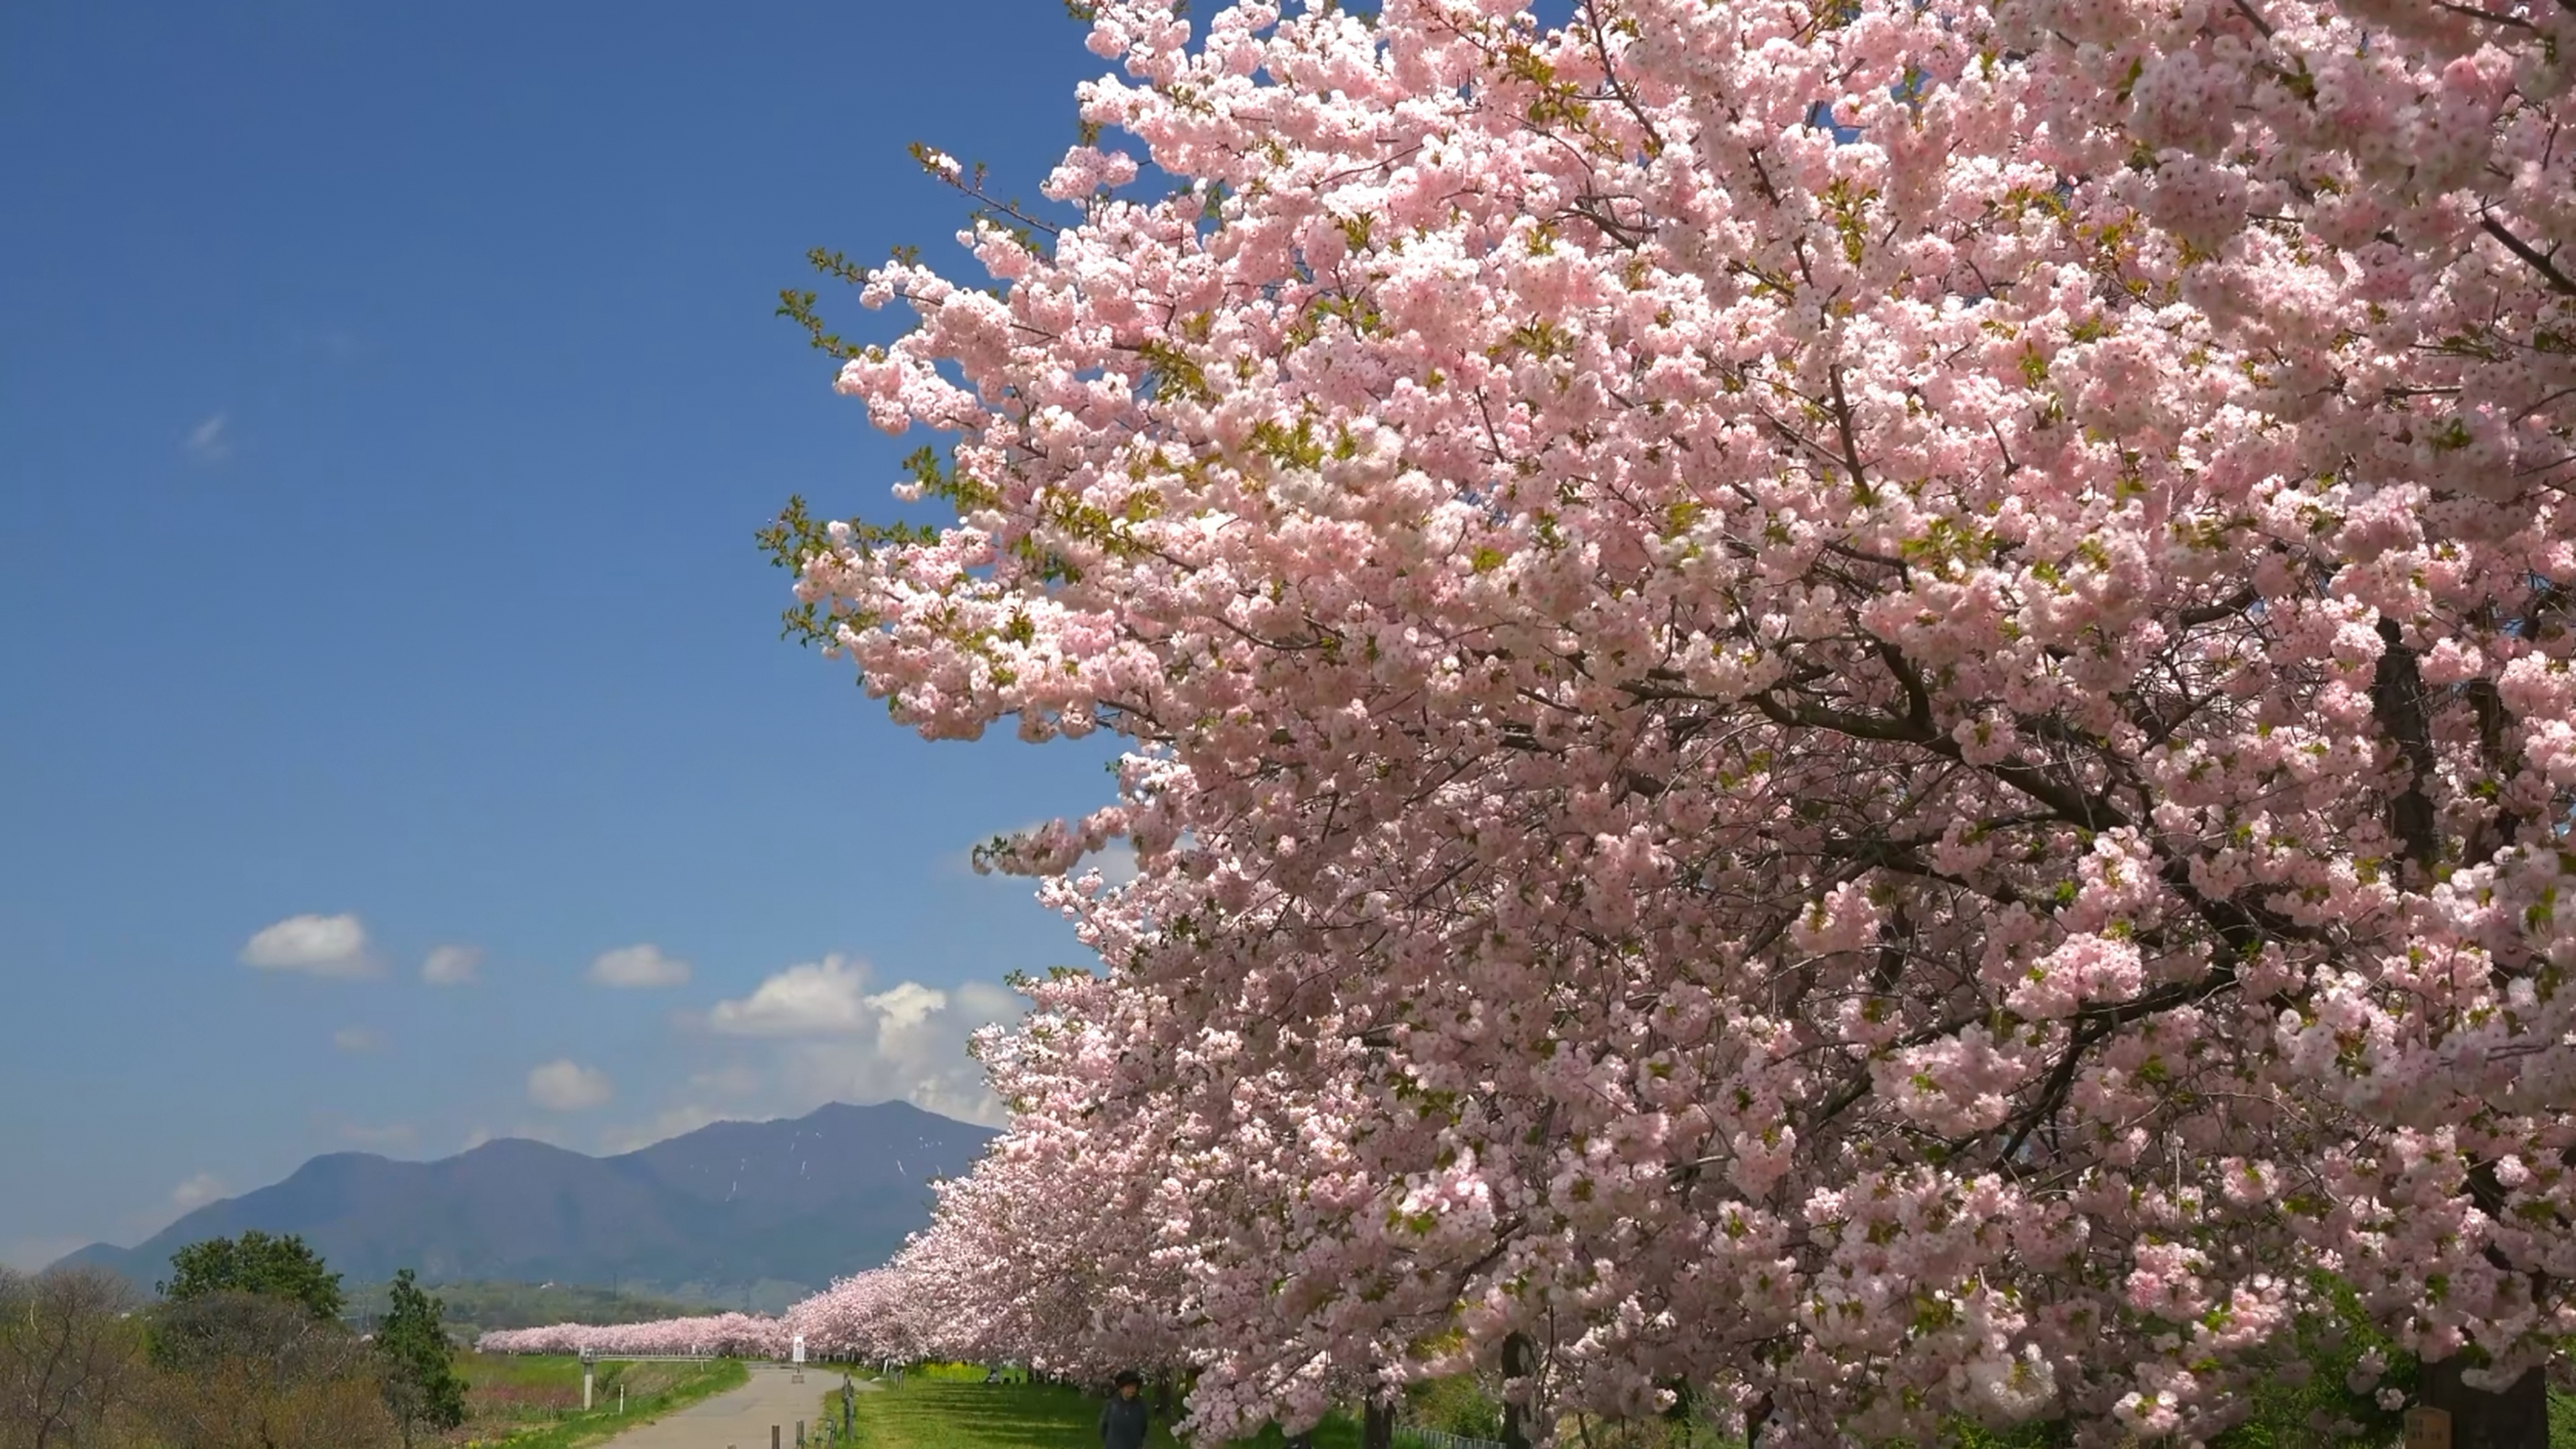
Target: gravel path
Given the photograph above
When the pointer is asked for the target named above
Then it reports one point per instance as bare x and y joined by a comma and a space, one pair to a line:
742, 1418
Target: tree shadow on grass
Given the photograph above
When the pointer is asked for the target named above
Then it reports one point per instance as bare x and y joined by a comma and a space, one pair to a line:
950, 1415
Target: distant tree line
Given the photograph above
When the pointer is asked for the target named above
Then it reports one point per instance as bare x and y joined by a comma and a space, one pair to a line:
244, 1349
475, 1307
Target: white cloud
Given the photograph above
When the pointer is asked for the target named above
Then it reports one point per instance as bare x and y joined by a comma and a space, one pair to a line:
906, 1005
850, 1044
210, 441
314, 945
568, 1086
929, 1069
820, 998
1116, 861
452, 965
816, 1032
355, 1039
641, 967
196, 1192
741, 1082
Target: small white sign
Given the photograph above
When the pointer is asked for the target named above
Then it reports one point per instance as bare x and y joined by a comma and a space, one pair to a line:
797, 1348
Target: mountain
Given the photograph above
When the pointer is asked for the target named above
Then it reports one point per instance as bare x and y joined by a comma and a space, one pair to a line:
764, 1210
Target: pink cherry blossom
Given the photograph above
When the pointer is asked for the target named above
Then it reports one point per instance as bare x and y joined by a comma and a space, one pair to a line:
740, 1335
1863, 708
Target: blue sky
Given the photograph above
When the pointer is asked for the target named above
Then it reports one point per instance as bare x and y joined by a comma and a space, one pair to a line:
388, 397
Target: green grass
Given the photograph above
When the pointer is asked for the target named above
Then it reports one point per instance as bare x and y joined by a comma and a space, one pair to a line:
955, 1373
533, 1401
951, 1407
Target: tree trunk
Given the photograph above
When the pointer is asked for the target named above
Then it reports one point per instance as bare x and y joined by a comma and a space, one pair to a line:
1756, 1419
1517, 1411
1377, 1426
2517, 1418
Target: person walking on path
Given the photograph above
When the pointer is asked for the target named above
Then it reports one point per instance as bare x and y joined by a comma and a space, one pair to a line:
1122, 1419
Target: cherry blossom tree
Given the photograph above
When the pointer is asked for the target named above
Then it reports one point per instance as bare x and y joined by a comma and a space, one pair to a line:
1094, 1235
866, 1316
1068, 1245
734, 1335
1860, 709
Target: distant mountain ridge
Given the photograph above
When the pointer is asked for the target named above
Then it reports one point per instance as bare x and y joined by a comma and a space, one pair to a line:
733, 1211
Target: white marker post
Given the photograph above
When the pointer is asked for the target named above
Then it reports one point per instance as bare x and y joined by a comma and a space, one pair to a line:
585, 1380
796, 1355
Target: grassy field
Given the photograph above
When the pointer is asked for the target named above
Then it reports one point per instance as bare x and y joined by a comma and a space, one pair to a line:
956, 1409
534, 1401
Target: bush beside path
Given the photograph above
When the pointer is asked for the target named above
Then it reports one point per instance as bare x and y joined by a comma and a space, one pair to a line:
533, 1401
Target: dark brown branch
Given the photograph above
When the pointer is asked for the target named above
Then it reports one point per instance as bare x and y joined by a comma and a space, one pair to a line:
1918, 700
1610, 74
1843, 427
2093, 1024
2397, 703
2516, 21
2537, 260
2233, 604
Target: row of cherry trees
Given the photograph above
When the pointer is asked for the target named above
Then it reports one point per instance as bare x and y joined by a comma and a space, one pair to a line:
867, 1316
739, 1335
1859, 708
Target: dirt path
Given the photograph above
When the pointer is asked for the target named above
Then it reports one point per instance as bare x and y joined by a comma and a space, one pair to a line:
742, 1419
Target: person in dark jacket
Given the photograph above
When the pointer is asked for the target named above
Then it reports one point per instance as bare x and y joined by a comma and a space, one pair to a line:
1122, 1419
